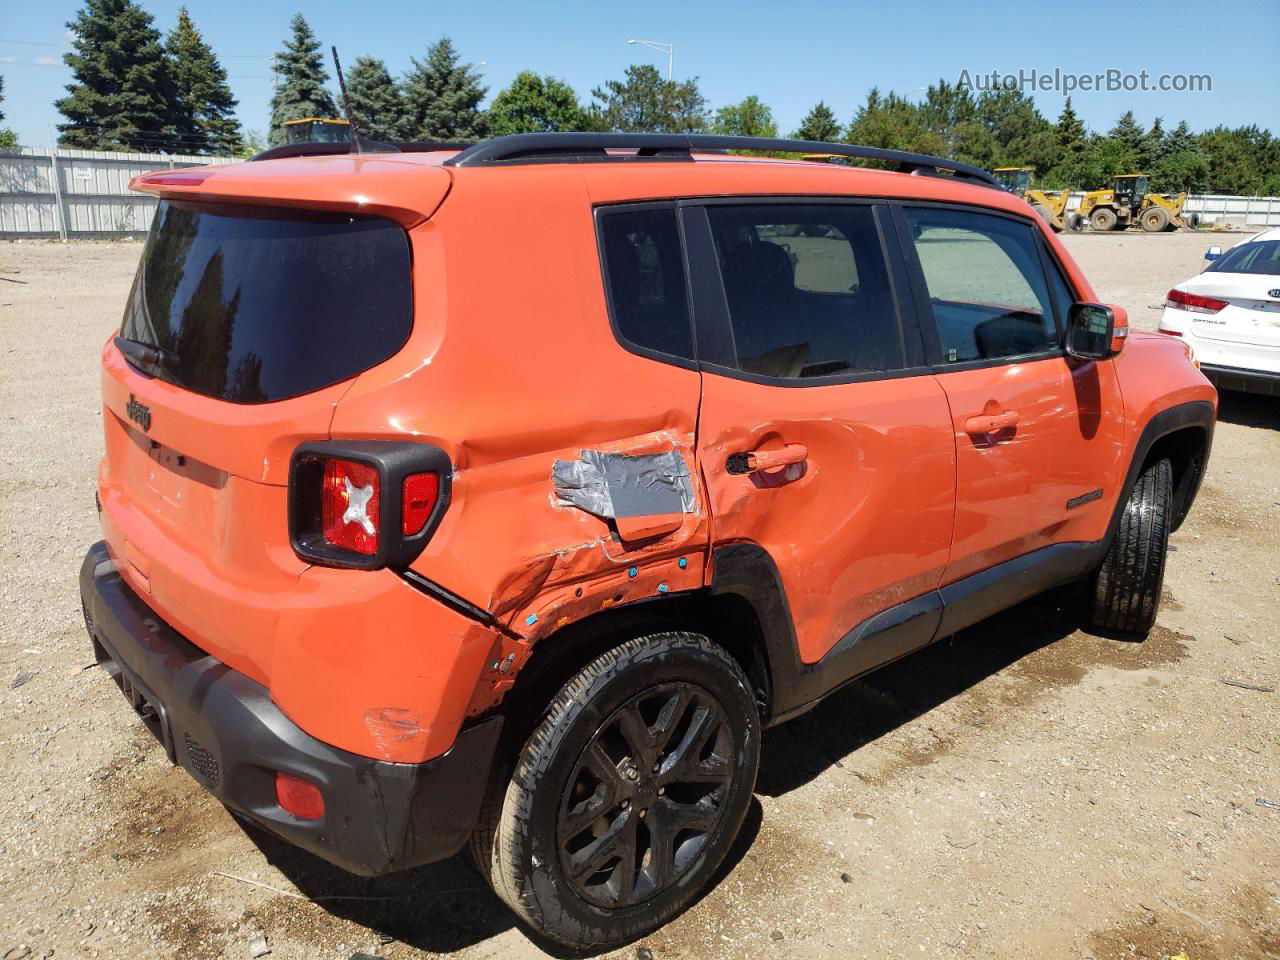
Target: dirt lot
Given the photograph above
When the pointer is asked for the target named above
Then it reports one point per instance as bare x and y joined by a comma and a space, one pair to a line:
1025, 790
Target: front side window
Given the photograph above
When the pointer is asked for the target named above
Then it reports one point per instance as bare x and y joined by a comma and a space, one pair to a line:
986, 284
807, 290
645, 279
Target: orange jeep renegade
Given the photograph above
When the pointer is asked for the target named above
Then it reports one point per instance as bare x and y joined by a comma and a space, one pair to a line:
503, 495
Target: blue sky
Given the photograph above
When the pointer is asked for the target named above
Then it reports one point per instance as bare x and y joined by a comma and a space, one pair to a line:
789, 54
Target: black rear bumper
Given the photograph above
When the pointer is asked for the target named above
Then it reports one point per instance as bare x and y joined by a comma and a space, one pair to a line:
1264, 382
223, 728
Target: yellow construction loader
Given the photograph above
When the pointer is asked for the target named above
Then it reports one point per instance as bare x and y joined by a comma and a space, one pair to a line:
1128, 202
1051, 206
317, 130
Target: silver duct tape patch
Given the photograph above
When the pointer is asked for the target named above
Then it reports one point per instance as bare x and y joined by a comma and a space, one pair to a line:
618, 485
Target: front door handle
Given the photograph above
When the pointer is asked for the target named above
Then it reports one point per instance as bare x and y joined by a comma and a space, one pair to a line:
991, 422
756, 460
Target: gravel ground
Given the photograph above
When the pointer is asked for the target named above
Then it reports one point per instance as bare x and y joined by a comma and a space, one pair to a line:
1025, 790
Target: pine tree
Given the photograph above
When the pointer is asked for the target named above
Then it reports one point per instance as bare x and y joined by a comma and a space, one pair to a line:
442, 97
534, 104
1070, 131
1129, 133
207, 122
820, 123
375, 100
122, 96
300, 90
1153, 146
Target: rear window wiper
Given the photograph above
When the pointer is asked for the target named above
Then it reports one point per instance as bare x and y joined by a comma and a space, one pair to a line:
147, 357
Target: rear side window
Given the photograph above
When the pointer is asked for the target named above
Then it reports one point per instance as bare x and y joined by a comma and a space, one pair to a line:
807, 290
645, 279
986, 284
253, 305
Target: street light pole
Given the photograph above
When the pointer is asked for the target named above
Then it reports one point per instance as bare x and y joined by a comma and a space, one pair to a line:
667, 48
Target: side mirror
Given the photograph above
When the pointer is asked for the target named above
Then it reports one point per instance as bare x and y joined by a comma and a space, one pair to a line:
1096, 331
1213, 253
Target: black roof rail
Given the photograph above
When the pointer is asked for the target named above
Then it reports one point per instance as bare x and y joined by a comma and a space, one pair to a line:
337, 149
593, 148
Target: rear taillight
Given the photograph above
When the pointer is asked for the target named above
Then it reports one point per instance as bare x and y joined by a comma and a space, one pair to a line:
1193, 302
302, 798
420, 492
366, 503
349, 506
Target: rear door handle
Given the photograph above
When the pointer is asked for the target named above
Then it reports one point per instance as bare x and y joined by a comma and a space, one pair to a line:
991, 422
755, 460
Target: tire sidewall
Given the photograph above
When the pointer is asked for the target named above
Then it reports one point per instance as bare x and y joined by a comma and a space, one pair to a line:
571, 732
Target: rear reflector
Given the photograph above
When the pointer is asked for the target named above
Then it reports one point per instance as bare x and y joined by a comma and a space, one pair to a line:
302, 798
420, 492
1193, 302
1170, 333
349, 506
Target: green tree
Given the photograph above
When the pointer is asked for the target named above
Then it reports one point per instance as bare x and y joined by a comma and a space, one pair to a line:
534, 104
1020, 135
251, 144
1153, 146
891, 122
122, 95
642, 102
375, 100
820, 123
207, 122
300, 84
750, 118
7, 137
442, 97
1128, 133
1244, 161
1072, 144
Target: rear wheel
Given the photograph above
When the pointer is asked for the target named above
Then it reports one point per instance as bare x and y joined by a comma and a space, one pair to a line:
1126, 588
628, 795
1154, 219
1102, 218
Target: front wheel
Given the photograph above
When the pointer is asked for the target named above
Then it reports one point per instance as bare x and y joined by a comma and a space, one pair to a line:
628, 795
1126, 588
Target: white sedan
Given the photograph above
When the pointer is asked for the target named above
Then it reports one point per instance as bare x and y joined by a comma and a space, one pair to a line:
1230, 314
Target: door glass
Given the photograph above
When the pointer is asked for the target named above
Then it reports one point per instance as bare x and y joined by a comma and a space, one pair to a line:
807, 290
986, 285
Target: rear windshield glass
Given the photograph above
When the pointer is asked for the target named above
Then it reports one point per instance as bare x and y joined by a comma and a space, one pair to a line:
254, 305
1261, 257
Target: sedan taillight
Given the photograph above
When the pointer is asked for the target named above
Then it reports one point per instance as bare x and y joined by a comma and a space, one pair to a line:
1193, 302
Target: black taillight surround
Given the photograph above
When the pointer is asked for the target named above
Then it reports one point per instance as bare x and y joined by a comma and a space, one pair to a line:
394, 461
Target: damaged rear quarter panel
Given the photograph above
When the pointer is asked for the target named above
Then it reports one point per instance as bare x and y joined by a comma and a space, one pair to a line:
559, 389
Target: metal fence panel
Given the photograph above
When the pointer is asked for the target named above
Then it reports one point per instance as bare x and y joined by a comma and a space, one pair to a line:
91, 197
79, 193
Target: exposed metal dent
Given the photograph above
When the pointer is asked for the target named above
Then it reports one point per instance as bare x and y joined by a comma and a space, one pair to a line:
612, 485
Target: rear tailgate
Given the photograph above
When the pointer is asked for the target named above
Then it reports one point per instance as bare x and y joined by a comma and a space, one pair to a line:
268, 287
